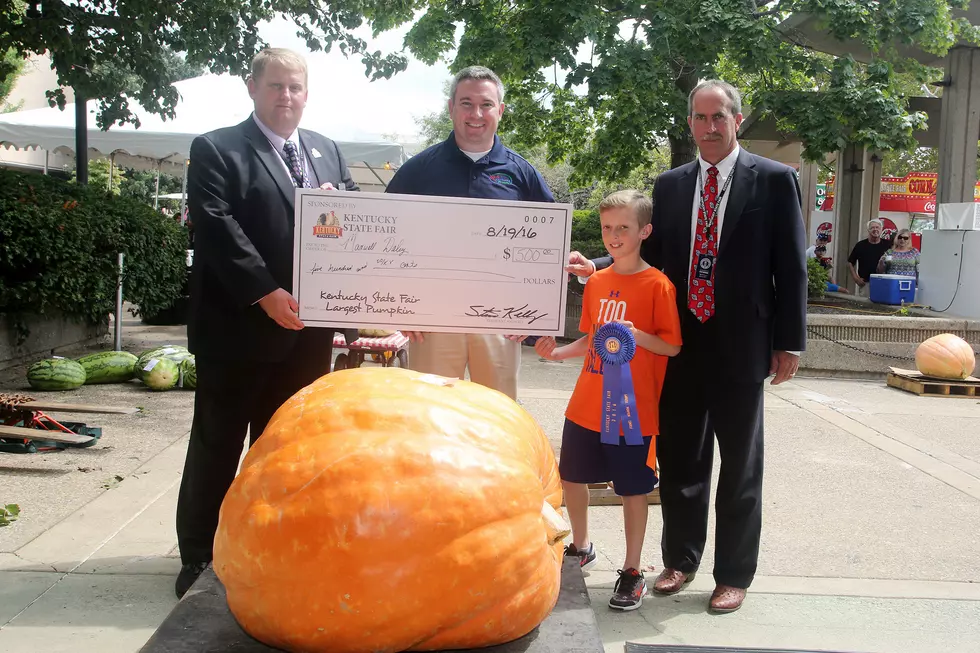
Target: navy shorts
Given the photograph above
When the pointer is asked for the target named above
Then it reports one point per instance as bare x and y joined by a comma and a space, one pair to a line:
585, 459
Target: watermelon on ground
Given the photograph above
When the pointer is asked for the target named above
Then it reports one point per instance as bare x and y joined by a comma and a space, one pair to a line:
160, 374
108, 367
176, 353
188, 373
56, 374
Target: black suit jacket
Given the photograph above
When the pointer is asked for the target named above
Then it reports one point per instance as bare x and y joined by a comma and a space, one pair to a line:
760, 273
241, 207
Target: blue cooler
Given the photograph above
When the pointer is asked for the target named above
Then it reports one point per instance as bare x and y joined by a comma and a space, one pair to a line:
892, 289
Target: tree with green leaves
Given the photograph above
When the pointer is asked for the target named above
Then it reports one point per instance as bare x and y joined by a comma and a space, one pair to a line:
98, 176
918, 159
434, 127
15, 64
82, 39
142, 185
599, 83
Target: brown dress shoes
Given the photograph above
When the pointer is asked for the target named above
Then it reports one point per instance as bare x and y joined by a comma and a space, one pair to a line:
726, 598
671, 581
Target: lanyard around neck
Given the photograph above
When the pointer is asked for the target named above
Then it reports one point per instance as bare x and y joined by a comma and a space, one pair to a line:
710, 222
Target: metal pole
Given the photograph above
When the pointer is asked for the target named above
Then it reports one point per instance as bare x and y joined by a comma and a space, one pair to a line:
46, 153
368, 166
81, 139
119, 304
183, 192
156, 196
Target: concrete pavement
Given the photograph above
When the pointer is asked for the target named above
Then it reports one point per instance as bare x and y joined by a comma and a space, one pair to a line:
872, 525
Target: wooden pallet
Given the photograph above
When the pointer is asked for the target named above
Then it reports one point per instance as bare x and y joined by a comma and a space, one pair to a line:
929, 387
601, 494
78, 408
21, 433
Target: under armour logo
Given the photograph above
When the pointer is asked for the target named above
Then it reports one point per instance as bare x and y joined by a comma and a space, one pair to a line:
614, 293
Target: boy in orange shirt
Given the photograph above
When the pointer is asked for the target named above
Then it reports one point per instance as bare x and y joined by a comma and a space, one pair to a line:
642, 298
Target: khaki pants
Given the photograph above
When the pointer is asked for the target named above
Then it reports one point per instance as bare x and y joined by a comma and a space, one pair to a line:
493, 360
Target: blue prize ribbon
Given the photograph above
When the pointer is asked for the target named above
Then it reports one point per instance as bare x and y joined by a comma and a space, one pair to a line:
615, 346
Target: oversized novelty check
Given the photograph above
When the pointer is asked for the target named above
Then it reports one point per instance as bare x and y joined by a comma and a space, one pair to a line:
419, 263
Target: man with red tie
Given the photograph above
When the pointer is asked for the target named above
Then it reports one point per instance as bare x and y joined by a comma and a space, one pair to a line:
728, 228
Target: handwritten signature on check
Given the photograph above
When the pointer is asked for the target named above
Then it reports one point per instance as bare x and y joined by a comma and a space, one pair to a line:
515, 313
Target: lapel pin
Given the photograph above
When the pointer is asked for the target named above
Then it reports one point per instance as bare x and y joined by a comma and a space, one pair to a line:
316, 153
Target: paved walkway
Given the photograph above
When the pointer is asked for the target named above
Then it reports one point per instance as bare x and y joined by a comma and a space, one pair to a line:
872, 525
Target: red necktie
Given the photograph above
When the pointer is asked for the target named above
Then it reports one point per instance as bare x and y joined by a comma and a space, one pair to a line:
701, 291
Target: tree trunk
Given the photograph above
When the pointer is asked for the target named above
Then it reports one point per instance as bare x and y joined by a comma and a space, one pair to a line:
682, 147
682, 150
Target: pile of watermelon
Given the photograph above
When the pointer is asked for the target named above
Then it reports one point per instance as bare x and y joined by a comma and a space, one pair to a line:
162, 368
167, 367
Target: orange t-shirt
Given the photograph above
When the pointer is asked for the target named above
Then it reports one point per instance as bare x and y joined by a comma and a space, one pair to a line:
646, 299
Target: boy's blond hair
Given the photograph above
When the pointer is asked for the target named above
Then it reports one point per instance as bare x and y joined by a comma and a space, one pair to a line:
285, 58
641, 203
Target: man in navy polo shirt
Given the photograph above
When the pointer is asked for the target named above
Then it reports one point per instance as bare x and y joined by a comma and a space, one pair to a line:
472, 162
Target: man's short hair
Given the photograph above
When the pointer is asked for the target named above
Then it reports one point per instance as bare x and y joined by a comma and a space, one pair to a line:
285, 58
641, 203
479, 73
734, 97
875, 221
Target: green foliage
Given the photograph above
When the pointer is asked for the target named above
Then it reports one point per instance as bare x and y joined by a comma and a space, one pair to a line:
136, 39
141, 185
587, 233
14, 63
856, 106
603, 84
9, 514
435, 127
641, 178
98, 176
917, 159
61, 242
816, 279
119, 73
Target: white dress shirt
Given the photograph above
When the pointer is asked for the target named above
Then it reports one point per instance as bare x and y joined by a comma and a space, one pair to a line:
725, 168
279, 143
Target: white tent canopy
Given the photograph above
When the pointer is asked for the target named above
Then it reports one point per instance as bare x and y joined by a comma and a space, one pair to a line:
206, 103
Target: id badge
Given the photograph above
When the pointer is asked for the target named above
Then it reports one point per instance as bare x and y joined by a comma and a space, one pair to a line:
705, 265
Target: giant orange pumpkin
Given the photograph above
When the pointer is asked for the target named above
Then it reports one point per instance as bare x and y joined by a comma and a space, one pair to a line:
386, 510
945, 356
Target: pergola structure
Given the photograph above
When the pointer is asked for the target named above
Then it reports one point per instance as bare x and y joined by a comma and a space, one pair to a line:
953, 128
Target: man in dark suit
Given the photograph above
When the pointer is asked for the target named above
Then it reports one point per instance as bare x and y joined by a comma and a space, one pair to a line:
251, 348
728, 232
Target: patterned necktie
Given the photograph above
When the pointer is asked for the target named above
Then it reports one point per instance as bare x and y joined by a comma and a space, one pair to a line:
701, 291
292, 160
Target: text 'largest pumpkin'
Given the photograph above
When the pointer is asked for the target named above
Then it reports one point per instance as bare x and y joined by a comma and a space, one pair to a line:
385, 510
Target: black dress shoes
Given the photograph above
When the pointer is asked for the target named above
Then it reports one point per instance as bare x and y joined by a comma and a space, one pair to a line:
188, 574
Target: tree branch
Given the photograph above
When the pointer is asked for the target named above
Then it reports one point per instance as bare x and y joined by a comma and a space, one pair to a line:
778, 9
